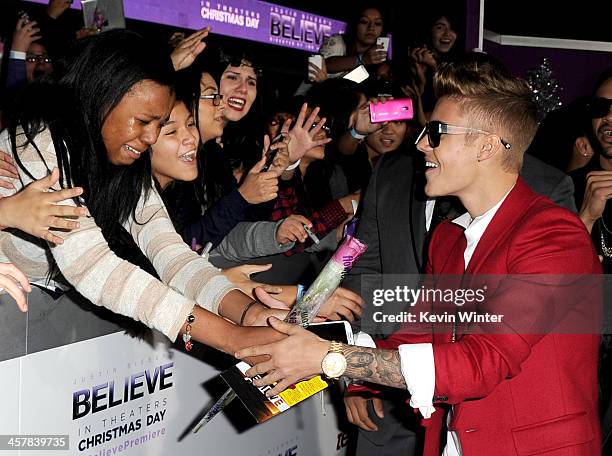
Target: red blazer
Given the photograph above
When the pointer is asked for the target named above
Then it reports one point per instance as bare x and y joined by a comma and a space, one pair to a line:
516, 394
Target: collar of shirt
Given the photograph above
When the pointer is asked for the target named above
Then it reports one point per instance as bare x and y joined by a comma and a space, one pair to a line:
475, 228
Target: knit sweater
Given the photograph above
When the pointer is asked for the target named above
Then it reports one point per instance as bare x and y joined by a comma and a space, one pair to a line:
87, 263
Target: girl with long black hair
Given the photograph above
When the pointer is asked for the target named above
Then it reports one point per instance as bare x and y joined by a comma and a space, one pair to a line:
96, 120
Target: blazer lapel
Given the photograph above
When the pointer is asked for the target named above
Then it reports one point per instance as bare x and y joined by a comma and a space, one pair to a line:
503, 221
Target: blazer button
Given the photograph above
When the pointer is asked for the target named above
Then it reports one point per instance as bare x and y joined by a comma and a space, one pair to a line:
440, 398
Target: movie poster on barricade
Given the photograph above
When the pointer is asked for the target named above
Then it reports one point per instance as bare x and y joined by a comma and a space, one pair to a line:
118, 395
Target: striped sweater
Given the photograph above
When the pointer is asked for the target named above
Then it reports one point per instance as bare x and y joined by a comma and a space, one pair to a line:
87, 263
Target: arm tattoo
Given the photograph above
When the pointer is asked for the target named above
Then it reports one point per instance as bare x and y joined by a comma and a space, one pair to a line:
373, 365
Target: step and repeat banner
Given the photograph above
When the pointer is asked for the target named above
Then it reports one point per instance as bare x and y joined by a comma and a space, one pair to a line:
248, 19
117, 394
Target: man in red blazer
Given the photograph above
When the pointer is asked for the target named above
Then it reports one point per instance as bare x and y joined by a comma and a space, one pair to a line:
531, 388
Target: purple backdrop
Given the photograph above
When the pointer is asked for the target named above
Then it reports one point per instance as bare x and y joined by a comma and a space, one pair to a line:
575, 70
249, 19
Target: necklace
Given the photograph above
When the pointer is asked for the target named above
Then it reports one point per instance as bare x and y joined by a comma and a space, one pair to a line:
605, 250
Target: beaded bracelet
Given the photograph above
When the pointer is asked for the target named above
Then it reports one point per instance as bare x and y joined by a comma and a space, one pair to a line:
187, 333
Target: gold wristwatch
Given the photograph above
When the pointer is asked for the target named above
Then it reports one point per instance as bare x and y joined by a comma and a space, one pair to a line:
333, 364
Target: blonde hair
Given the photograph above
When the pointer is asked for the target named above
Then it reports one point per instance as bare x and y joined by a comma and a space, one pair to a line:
493, 100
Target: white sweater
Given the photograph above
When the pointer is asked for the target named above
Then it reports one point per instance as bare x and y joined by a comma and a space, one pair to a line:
88, 264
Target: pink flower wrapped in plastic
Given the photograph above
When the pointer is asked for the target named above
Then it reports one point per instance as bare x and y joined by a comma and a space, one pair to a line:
304, 311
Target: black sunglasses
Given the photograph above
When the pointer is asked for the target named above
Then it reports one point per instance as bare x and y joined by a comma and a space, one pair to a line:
435, 129
599, 107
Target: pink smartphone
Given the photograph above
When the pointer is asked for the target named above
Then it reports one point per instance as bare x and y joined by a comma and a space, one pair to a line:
398, 109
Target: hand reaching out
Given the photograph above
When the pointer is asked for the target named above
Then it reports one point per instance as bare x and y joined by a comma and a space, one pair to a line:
7, 169
10, 277
241, 277
292, 229
343, 303
34, 210
284, 366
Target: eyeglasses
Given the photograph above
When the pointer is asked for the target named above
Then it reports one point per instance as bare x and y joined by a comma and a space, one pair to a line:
599, 107
435, 129
216, 98
38, 58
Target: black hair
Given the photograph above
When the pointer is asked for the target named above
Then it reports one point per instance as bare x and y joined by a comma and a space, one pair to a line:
337, 98
73, 104
350, 33
214, 168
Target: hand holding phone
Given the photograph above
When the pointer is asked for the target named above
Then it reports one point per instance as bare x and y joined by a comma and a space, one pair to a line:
314, 61
391, 110
384, 42
272, 153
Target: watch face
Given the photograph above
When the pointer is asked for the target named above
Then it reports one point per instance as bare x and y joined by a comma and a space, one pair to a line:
333, 365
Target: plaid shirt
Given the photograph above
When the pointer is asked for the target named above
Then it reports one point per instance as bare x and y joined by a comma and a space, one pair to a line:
292, 200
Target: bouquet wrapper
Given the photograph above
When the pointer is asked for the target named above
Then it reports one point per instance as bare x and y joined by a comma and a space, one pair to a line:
304, 311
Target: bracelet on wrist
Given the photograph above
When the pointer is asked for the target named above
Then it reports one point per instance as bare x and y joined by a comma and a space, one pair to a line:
187, 333
356, 135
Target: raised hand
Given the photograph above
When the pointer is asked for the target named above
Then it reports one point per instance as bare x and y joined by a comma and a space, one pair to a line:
598, 191
363, 122
302, 135
281, 159
424, 57
188, 49
259, 187
316, 74
34, 210
25, 33
375, 55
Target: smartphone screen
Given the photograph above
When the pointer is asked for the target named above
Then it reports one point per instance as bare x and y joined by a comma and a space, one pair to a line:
384, 40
